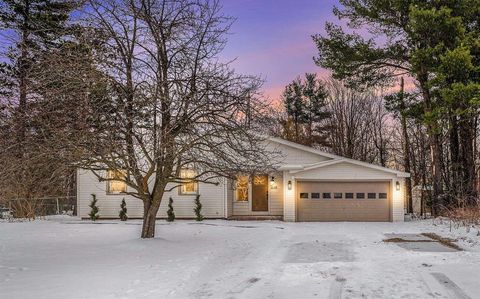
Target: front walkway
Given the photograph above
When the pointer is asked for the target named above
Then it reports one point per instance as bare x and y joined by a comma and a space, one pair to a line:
227, 259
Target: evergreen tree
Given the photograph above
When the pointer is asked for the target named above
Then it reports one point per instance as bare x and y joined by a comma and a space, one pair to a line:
170, 213
433, 42
30, 31
35, 27
123, 211
198, 209
94, 209
292, 100
304, 102
315, 96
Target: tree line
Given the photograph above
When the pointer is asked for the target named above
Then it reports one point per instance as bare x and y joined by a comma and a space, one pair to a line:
138, 86
133, 88
429, 129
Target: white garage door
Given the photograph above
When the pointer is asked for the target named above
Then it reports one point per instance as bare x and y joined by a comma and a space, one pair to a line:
343, 201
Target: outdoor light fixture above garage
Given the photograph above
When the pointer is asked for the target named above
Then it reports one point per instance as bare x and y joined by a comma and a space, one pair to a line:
398, 185
289, 185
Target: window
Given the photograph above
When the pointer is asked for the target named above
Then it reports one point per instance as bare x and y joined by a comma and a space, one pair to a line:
303, 195
241, 184
116, 183
360, 195
337, 195
382, 195
372, 195
327, 195
189, 186
349, 195
315, 195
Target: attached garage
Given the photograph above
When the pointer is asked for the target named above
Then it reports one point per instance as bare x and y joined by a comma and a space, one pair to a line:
342, 189
343, 201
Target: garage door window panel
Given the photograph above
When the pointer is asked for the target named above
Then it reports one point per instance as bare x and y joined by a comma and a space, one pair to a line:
382, 195
360, 195
303, 195
338, 195
327, 195
372, 195
349, 195
315, 195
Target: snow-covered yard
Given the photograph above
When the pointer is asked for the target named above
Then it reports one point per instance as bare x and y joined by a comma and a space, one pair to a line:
69, 258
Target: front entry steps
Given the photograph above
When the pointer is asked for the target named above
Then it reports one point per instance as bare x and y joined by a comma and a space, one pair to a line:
253, 217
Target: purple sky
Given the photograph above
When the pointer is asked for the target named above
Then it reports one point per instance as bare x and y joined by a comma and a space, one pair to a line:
272, 38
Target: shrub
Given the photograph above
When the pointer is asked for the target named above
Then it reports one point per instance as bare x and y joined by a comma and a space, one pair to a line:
198, 209
94, 209
123, 211
467, 216
170, 213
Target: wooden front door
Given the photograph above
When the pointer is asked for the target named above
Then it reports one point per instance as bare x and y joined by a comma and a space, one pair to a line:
260, 193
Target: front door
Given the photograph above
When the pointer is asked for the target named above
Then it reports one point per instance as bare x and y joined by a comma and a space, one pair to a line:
260, 193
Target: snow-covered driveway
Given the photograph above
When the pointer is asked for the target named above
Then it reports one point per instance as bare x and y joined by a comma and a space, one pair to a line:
67, 258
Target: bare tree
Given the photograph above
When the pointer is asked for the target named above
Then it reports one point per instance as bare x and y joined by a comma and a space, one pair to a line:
359, 124
166, 103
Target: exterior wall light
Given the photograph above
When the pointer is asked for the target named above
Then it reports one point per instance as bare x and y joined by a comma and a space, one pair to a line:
289, 185
273, 185
397, 185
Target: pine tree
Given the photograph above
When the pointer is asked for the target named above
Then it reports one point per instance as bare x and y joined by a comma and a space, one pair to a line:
304, 102
198, 209
94, 209
170, 213
123, 211
35, 27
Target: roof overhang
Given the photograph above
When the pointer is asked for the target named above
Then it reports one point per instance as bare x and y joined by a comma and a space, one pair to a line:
400, 174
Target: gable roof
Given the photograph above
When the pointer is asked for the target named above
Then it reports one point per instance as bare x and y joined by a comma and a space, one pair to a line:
303, 147
335, 159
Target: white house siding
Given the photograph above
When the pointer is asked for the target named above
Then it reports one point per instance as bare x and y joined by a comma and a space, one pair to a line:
211, 197
398, 200
275, 202
229, 198
289, 204
345, 171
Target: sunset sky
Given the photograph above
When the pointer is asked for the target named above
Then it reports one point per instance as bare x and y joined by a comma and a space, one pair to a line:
272, 38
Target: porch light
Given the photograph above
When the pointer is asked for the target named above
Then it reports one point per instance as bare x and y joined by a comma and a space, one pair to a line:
397, 185
289, 185
273, 185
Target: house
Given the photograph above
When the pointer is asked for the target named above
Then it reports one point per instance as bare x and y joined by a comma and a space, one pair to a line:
309, 185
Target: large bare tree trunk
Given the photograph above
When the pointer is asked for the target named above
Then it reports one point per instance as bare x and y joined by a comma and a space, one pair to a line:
149, 218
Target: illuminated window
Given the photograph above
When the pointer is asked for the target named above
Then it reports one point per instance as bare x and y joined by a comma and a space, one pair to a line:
241, 184
190, 186
116, 183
